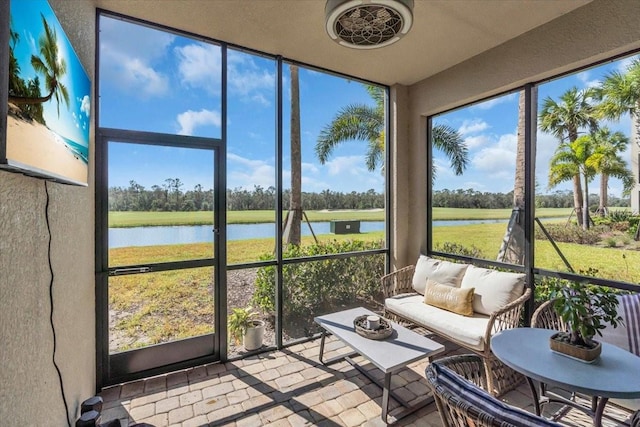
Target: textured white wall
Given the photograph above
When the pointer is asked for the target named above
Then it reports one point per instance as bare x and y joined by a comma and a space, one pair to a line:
29, 386
594, 32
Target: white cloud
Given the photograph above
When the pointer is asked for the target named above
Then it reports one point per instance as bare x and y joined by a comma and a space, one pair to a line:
473, 126
128, 65
624, 64
189, 120
247, 79
477, 141
247, 173
585, 78
85, 105
346, 165
199, 66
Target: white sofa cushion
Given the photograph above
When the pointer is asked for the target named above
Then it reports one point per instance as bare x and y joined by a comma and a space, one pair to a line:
493, 289
444, 272
463, 329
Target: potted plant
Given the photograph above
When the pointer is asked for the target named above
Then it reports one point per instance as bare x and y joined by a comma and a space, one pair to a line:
585, 310
243, 326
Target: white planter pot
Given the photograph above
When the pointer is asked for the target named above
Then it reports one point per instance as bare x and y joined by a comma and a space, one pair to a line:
252, 339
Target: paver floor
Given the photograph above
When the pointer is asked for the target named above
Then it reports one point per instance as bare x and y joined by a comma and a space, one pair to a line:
287, 388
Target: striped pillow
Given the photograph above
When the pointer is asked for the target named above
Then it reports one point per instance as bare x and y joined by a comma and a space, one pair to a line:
458, 391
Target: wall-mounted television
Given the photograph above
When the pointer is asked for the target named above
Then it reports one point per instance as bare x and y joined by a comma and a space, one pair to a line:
48, 97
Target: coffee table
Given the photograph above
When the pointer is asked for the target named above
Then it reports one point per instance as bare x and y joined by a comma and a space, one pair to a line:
527, 351
389, 355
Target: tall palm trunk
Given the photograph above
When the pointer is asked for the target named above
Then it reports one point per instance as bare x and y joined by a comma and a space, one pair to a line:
512, 247
294, 219
585, 210
604, 198
578, 200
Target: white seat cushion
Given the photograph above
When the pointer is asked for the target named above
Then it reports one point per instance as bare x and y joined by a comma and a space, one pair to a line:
444, 272
493, 289
467, 330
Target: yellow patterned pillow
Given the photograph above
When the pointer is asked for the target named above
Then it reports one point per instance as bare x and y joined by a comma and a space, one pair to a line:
448, 298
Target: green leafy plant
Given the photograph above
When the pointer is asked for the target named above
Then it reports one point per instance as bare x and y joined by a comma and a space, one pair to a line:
239, 320
585, 309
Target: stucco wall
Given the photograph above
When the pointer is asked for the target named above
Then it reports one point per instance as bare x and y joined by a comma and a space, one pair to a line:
29, 386
594, 32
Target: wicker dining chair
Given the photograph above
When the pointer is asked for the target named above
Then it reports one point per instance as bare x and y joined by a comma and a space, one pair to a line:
459, 384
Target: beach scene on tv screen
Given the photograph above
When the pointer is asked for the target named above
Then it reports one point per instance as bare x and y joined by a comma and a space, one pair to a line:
49, 96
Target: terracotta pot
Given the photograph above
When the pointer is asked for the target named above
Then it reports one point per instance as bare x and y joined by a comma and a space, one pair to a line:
252, 339
582, 354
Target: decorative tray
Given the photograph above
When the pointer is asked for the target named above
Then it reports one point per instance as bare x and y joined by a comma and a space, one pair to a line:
380, 333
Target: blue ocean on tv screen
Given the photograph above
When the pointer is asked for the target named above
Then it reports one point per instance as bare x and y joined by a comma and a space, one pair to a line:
78, 150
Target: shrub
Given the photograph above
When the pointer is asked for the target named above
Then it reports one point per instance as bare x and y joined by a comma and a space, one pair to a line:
312, 286
571, 234
619, 215
611, 242
458, 249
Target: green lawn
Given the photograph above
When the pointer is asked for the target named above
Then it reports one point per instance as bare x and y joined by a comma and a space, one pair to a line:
141, 219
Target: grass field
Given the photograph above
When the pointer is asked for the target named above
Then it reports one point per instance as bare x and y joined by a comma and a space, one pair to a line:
143, 219
163, 306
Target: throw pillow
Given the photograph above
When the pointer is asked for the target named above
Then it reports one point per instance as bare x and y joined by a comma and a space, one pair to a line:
493, 289
448, 298
443, 272
627, 334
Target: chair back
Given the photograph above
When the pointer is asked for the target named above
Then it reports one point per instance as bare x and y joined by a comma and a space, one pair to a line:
455, 382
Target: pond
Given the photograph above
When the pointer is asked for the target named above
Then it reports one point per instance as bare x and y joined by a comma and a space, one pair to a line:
151, 236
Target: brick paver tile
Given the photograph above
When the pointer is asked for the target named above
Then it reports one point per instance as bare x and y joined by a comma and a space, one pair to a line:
328, 408
111, 393
252, 420
352, 417
237, 396
155, 384
288, 380
309, 399
370, 409
148, 398
208, 382
178, 390
418, 388
216, 368
352, 399
275, 413
256, 402
196, 374
209, 405
217, 390
132, 389
329, 392
230, 412
291, 368
255, 368
274, 363
176, 378
269, 374
158, 420
244, 382
190, 397
300, 419
346, 386
144, 411
115, 412
279, 423
181, 414
198, 421
166, 405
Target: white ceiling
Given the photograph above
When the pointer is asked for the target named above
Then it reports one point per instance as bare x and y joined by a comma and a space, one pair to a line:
444, 32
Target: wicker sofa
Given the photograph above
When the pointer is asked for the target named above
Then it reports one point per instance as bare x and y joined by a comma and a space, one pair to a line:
498, 301
458, 384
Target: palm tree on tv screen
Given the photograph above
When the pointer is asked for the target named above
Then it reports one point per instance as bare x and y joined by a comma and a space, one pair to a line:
366, 123
51, 66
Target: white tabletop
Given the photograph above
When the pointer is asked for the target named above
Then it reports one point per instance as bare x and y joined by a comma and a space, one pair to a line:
616, 373
401, 348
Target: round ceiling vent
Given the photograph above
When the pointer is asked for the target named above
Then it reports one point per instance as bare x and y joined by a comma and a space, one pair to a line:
368, 24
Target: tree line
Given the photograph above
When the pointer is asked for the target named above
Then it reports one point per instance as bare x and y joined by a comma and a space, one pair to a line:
171, 196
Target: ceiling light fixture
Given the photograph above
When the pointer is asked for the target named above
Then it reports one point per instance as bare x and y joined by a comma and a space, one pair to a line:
368, 24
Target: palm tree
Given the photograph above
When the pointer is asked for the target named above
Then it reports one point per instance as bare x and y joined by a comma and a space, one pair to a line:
366, 123
607, 161
573, 160
564, 120
512, 247
292, 230
51, 66
620, 94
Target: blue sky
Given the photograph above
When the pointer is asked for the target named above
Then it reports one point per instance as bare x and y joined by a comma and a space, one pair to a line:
490, 131
160, 82
73, 122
